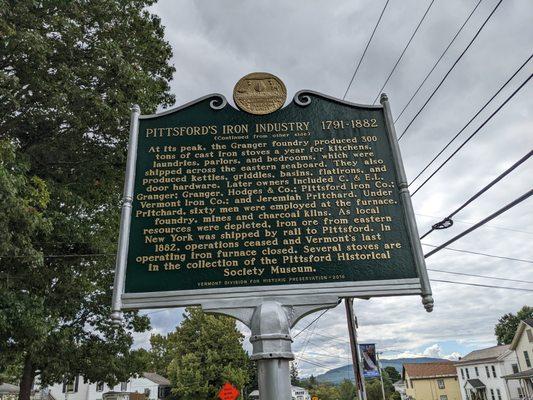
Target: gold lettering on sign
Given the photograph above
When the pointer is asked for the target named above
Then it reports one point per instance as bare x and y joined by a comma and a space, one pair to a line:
267, 202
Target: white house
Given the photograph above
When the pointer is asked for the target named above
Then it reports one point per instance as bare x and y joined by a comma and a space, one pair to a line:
522, 346
298, 393
154, 386
481, 374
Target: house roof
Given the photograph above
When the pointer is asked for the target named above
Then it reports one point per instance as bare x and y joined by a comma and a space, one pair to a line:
528, 322
432, 369
475, 383
521, 375
8, 388
156, 378
490, 353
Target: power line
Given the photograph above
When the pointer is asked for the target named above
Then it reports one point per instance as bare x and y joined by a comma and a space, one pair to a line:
482, 254
472, 119
364, 51
478, 276
481, 285
448, 219
304, 347
482, 222
311, 323
329, 356
504, 228
451, 69
314, 363
403, 52
471, 136
437, 62
341, 340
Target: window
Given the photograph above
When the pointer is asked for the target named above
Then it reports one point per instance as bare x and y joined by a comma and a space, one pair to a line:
462, 374
100, 387
123, 386
515, 368
493, 370
492, 394
147, 392
487, 371
477, 371
467, 373
528, 361
499, 394
163, 392
440, 382
71, 386
443, 397
529, 335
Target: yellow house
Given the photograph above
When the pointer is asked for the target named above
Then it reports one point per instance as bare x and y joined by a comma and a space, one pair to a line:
522, 345
431, 381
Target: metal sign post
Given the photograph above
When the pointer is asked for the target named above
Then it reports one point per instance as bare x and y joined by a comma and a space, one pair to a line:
266, 214
381, 376
270, 322
354, 347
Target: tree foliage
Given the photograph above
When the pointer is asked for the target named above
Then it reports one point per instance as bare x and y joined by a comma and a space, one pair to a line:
373, 390
506, 327
393, 374
347, 390
206, 352
325, 391
69, 72
295, 375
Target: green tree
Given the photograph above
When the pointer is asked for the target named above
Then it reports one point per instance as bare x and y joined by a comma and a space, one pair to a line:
23, 198
387, 382
325, 391
312, 381
395, 396
208, 352
295, 378
373, 389
347, 390
161, 353
506, 327
69, 71
393, 374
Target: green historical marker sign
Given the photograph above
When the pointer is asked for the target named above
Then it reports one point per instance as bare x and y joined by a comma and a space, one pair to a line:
310, 198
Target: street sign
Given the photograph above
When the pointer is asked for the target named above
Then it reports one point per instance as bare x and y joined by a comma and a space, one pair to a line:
266, 214
310, 198
228, 392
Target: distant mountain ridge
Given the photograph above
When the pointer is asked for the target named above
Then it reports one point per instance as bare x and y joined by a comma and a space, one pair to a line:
337, 375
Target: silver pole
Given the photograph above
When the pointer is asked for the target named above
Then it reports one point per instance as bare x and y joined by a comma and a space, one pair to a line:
356, 358
403, 186
271, 341
380, 376
125, 217
274, 379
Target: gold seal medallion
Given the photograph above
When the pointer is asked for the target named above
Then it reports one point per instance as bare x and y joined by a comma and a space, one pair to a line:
259, 93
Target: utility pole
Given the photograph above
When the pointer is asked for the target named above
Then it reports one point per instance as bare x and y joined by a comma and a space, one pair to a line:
356, 358
380, 375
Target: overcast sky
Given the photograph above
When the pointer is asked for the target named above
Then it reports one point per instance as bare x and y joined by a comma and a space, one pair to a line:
315, 45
